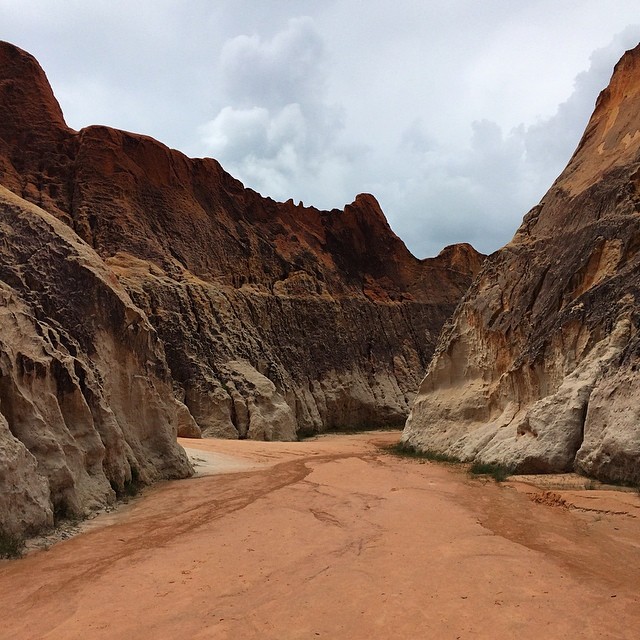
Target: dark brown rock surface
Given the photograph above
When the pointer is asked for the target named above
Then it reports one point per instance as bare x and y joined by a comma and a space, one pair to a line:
538, 370
276, 319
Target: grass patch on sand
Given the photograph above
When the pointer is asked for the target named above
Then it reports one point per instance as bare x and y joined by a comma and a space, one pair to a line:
497, 471
407, 451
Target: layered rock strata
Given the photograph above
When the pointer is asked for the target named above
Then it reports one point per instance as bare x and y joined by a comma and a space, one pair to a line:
86, 404
277, 319
538, 369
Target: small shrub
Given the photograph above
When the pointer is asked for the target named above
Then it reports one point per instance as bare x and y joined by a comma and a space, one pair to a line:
132, 487
11, 546
497, 471
407, 451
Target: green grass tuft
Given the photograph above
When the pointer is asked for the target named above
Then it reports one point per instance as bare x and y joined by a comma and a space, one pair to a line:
408, 451
497, 471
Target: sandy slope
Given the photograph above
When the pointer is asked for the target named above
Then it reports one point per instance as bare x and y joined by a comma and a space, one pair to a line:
332, 538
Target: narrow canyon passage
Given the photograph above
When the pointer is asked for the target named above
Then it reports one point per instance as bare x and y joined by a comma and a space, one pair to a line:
335, 538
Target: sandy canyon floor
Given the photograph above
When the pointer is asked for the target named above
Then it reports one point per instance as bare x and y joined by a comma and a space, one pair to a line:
336, 538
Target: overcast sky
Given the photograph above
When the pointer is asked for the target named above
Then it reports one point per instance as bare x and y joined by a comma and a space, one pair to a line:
456, 114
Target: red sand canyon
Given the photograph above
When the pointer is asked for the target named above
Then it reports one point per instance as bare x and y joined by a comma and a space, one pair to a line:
147, 295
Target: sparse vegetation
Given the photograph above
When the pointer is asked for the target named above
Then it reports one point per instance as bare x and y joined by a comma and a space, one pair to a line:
129, 488
61, 511
347, 429
497, 471
407, 451
132, 487
11, 546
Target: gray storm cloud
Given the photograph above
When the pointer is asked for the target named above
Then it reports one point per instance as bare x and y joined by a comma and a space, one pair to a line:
279, 133
275, 72
281, 136
479, 194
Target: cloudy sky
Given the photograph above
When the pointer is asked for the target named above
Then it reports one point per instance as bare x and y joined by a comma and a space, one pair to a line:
456, 114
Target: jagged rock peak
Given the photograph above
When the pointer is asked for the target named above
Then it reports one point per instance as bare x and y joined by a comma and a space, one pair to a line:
612, 136
25, 93
462, 256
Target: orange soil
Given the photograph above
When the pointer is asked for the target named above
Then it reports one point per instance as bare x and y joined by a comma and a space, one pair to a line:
332, 538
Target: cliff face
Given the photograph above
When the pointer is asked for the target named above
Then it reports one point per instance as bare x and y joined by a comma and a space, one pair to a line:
539, 367
86, 405
276, 319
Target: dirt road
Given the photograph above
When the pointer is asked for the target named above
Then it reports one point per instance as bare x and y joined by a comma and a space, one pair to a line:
334, 538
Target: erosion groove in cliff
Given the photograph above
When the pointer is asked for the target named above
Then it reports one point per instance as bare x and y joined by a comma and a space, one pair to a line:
539, 366
275, 318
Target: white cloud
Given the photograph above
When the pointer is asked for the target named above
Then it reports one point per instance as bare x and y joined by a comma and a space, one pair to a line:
274, 72
235, 133
278, 134
480, 193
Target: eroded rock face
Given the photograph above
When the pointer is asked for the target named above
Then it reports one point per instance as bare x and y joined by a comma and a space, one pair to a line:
539, 367
277, 319
86, 403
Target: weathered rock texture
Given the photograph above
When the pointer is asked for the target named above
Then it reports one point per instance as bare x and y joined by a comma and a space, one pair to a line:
276, 319
86, 404
539, 367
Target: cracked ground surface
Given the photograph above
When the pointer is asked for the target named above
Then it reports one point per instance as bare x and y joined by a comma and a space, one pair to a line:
335, 538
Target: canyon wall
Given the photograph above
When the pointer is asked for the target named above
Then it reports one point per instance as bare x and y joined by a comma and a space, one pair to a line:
146, 294
277, 319
538, 369
86, 405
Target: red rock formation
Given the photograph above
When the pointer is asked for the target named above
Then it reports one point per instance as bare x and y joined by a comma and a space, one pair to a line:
538, 369
276, 319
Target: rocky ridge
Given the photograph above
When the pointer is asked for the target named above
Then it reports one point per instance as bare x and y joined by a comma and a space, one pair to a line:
147, 294
538, 369
277, 319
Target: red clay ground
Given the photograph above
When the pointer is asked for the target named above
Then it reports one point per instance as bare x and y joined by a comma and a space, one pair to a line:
333, 538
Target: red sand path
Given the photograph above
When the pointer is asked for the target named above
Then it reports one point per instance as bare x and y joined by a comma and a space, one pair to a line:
334, 538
